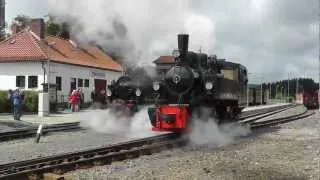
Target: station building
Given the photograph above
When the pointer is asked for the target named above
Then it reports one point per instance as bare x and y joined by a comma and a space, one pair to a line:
29, 60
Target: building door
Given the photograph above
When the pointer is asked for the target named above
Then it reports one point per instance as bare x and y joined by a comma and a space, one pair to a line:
73, 84
100, 84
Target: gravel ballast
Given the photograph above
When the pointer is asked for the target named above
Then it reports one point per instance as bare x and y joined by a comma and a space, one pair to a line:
288, 151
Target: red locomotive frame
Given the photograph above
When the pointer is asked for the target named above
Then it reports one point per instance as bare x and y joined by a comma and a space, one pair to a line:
173, 117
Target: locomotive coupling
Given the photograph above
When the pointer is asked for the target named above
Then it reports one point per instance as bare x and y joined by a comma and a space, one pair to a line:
183, 41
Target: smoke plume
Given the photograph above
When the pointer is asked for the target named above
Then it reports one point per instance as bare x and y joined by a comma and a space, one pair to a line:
116, 122
136, 31
205, 130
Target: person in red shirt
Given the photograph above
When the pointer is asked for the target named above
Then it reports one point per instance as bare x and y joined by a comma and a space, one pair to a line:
73, 100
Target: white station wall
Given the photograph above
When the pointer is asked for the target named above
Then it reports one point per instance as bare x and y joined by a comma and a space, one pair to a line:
9, 71
67, 72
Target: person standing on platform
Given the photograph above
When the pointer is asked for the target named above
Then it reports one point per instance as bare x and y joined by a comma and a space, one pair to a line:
17, 102
73, 100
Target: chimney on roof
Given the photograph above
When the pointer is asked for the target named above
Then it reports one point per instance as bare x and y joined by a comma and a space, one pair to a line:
14, 28
38, 27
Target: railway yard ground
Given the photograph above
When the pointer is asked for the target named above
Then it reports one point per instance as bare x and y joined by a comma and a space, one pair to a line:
286, 151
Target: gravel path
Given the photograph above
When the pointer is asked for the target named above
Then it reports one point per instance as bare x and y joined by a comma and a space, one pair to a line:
289, 151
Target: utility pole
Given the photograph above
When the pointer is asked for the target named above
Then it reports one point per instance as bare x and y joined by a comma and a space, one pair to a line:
269, 92
261, 93
288, 94
319, 55
297, 89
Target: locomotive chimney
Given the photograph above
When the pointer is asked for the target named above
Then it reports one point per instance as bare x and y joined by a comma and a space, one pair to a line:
183, 40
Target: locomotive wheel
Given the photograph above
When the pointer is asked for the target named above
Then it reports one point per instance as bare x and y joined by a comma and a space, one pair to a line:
235, 113
221, 113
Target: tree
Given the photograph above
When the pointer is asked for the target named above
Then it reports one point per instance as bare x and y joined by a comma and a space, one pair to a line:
52, 29
21, 21
65, 31
55, 29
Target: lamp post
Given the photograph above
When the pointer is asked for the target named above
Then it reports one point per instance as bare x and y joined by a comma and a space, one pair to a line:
319, 55
248, 90
261, 93
288, 94
50, 45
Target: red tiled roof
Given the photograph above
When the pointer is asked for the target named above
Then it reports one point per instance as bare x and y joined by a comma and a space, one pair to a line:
25, 46
165, 60
21, 46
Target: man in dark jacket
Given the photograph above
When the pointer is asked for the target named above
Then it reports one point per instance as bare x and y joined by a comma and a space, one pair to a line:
17, 101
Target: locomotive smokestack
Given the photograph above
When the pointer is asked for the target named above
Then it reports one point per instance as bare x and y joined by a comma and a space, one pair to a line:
183, 40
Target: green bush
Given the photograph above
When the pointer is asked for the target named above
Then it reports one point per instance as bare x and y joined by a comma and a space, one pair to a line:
4, 103
30, 102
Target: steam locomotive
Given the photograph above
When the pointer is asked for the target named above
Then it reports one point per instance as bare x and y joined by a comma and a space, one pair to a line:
193, 82
130, 90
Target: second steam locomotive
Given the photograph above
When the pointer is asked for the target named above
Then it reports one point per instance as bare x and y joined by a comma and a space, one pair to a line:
196, 81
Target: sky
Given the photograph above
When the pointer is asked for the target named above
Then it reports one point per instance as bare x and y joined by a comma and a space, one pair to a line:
274, 39
32, 8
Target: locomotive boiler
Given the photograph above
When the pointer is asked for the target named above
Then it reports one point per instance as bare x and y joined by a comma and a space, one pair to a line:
193, 82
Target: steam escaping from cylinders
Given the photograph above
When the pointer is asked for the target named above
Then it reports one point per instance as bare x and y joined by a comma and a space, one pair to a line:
116, 122
135, 32
205, 130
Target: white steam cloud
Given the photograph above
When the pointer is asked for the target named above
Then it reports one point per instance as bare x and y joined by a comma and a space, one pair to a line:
139, 31
205, 131
115, 122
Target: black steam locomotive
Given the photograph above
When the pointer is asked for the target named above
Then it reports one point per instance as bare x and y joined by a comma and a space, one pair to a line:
130, 90
196, 81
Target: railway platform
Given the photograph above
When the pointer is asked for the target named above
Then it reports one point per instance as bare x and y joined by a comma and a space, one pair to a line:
53, 118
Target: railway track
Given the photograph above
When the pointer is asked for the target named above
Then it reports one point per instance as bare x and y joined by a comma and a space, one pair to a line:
258, 112
272, 122
98, 156
62, 163
260, 115
31, 131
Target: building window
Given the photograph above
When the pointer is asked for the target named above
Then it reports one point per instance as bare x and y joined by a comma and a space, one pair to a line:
80, 82
32, 81
58, 83
20, 81
86, 83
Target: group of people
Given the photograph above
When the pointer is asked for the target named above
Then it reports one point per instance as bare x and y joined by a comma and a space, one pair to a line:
76, 99
15, 99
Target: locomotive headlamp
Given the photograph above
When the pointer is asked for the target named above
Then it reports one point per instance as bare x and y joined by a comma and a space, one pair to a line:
209, 85
138, 92
109, 92
156, 86
196, 74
